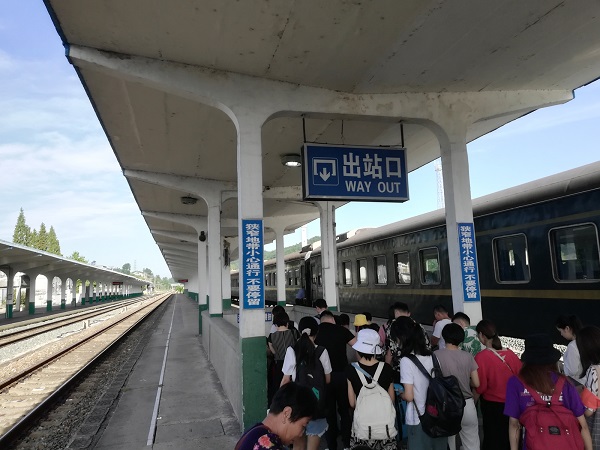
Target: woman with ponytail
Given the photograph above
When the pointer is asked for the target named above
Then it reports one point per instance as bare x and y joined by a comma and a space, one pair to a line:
496, 366
306, 358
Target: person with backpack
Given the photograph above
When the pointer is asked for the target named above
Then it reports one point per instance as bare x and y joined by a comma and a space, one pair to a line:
278, 342
308, 365
462, 365
371, 395
544, 403
411, 343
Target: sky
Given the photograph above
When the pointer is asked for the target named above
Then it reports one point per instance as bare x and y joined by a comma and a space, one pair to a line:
56, 163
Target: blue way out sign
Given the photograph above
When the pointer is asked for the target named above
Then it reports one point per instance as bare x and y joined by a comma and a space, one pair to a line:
335, 172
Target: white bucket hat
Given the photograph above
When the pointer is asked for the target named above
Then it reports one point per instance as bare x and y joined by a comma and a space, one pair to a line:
367, 342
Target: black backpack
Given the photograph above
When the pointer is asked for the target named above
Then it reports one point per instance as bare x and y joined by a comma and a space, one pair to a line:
444, 404
315, 380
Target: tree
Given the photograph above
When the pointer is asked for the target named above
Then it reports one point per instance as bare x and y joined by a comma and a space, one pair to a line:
42, 238
33, 239
126, 269
148, 273
53, 244
77, 257
22, 233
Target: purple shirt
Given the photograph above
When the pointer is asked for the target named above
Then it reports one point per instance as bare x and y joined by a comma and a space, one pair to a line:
518, 399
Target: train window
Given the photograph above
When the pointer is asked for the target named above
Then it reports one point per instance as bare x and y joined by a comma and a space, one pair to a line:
380, 270
575, 253
290, 275
402, 264
430, 265
361, 269
511, 259
297, 277
267, 277
319, 276
347, 273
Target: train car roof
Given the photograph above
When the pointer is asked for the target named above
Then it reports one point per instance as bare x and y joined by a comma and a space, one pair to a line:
563, 184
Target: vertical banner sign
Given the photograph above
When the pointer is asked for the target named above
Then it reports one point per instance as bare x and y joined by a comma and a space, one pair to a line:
252, 264
468, 262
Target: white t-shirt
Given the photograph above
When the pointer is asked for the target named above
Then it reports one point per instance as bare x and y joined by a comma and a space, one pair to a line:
572, 362
437, 331
410, 374
289, 363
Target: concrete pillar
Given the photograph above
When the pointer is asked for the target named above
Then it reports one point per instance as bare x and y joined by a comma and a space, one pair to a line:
280, 264
73, 291
459, 209
10, 282
31, 298
63, 293
328, 254
202, 281
226, 285
49, 279
85, 292
252, 321
215, 257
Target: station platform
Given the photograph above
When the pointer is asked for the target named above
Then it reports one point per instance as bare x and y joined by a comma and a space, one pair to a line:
172, 399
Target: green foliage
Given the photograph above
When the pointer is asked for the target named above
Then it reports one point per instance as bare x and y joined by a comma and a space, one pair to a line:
148, 273
33, 239
53, 244
291, 249
42, 238
273, 253
22, 232
77, 257
126, 269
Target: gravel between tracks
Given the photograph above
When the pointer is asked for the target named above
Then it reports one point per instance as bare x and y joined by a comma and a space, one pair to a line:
75, 421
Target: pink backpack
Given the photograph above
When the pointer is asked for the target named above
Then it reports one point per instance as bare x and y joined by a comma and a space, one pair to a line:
550, 425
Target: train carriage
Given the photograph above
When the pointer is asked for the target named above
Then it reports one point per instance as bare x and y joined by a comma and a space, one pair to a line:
537, 248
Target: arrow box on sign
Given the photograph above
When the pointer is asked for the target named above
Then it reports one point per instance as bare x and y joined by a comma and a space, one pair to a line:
338, 172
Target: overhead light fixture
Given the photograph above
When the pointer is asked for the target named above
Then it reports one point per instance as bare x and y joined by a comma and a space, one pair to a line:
291, 160
188, 200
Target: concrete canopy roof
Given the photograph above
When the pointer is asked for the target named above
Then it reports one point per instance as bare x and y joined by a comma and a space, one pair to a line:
357, 47
30, 260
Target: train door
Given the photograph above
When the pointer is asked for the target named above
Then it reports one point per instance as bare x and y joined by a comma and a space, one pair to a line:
305, 284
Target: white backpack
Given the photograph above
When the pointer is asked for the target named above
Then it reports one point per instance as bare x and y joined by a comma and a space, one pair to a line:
374, 415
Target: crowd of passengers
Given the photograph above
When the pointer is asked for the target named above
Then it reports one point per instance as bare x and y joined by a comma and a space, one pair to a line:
499, 389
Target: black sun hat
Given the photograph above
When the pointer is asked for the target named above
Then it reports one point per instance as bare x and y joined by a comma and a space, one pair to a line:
539, 350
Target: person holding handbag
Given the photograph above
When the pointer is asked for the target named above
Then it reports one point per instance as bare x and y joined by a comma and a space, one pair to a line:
588, 342
495, 366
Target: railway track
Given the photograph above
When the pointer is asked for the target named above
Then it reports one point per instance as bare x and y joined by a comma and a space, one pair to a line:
31, 383
18, 332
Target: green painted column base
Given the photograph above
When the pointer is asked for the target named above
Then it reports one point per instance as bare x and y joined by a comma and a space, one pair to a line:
82, 301
283, 303
49, 305
31, 309
226, 303
63, 303
9, 312
333, 308
200, 309
254, 380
